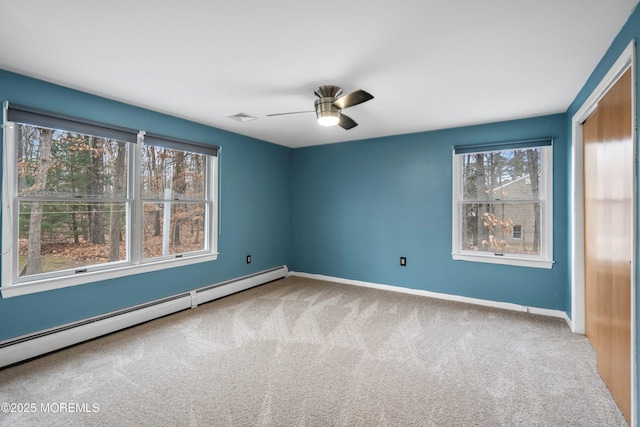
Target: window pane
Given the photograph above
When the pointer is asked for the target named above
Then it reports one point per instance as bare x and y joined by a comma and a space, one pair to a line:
54, 163
502, 175
172, 174
56, 236
490, 227
173, 228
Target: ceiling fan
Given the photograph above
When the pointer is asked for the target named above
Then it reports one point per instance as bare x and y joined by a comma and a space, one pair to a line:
329, 106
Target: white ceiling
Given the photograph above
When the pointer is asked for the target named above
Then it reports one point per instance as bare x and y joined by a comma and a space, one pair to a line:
431, 64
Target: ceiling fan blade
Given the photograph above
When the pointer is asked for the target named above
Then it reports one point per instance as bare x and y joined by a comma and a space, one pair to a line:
292, 112
354, 98
346, 122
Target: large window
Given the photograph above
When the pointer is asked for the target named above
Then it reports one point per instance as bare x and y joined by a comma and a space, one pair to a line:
502, 203
85, 202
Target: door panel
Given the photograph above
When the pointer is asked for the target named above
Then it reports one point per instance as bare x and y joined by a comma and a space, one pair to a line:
608, 186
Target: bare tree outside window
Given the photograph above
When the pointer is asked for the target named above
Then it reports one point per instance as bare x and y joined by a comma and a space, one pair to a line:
71, 200
173, 191
87, 201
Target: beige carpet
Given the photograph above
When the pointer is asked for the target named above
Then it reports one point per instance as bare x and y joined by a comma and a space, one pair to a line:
300, 352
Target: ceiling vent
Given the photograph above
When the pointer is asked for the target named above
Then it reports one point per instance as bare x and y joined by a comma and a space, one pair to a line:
242, 117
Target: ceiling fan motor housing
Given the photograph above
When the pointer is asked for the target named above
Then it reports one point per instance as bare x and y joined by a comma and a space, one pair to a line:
328, 91
327, 113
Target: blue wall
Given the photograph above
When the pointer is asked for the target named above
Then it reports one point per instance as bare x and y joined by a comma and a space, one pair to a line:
255, 218
359, 206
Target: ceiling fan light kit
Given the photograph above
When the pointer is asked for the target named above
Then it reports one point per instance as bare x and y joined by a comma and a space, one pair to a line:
329, 106
327, 113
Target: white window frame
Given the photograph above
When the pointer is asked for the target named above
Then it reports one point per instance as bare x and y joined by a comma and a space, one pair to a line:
545, 259
135, 264
210, 200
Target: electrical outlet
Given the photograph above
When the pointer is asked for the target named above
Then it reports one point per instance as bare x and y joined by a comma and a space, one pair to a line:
248, 259
403, 261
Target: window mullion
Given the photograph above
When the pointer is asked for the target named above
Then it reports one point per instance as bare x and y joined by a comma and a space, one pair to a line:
211, 215
497, 201
457, 205
9, 211
72, 199
547, 205
136, 209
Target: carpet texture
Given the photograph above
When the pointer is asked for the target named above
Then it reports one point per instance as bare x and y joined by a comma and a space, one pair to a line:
303, 352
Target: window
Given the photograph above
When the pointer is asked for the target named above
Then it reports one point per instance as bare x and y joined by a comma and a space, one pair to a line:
84, 202
502, 203
175, 197
517, 231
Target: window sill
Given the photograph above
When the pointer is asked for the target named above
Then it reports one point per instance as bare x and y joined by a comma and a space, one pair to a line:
490, 258
25, 288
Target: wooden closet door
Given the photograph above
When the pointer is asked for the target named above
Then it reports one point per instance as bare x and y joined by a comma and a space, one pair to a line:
608, 195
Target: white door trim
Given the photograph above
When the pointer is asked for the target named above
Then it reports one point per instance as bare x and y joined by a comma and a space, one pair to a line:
624, 62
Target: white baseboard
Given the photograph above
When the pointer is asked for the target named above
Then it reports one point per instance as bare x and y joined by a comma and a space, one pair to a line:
28, 346
476, 301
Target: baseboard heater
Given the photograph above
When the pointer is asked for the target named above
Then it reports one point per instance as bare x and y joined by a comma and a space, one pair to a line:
29, 346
